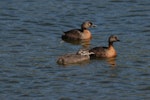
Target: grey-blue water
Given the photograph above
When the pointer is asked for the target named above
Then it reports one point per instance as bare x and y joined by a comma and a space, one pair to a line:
30, 43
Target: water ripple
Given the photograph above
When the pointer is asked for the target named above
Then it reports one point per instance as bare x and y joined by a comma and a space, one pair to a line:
30, 43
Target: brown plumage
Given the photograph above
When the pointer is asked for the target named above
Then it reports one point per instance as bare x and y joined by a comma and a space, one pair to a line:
106, 52
79, 34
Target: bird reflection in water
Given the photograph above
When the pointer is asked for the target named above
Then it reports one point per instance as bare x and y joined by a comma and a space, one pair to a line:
84, 43
111, 62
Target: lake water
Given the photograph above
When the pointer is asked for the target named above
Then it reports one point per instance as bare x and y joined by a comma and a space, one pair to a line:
30, 43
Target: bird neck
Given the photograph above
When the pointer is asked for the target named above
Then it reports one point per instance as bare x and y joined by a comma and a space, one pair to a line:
110, 44
82, 29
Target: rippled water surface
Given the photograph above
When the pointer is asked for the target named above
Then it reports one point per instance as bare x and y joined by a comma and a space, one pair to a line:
30, 43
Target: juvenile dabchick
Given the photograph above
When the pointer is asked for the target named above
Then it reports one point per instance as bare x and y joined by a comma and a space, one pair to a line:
106, 52
79, 34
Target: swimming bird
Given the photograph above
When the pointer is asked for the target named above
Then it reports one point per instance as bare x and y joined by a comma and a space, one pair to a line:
80, 56
106, 52
79, 34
